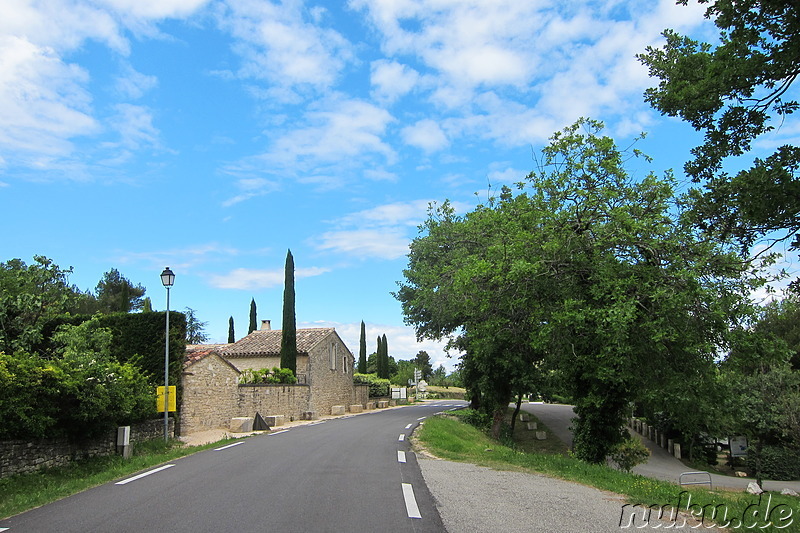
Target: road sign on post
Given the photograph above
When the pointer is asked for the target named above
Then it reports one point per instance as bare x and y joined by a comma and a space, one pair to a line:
173, 403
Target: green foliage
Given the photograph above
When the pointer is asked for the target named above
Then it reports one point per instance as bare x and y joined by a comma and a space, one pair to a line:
404, 373
252, 325
231, 334
378, 387
586, 273
423, 363
774, 462
475, 418
30, 295
289, 328
629, 453
116, 294
266, 375
195, 328
362, 350
80, 394
735, 92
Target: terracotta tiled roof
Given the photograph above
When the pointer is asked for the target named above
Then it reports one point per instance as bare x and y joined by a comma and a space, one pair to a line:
268, 342
195, 352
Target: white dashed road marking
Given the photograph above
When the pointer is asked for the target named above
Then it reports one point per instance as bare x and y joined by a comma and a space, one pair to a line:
411, 502
402, 437
145, 474
409, 426
401, 456
228, 446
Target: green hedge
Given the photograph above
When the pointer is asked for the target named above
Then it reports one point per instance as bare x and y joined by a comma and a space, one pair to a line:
75, 396
138, 339
777, 463
378, 387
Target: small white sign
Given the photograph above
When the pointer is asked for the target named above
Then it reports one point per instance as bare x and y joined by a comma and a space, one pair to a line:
738, 446
399, 393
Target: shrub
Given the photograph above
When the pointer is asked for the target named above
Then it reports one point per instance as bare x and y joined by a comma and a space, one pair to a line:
478, 419
265, 375
629, 453
777, 462
378, 387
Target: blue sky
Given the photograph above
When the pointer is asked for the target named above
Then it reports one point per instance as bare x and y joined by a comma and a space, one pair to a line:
212, 136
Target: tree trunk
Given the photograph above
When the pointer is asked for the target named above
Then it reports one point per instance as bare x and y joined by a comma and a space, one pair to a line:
497, 421
516, 412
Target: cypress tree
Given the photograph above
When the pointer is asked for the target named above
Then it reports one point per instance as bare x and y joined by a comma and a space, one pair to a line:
289, 328
385, 365
253, 317
231, 336
379, 359
362, 350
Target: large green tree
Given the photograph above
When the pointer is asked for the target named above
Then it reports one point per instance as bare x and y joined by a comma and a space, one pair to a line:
116, 294
231, 333
584, 271
735, 92
252, 325
423, 362
195, 328
289, 327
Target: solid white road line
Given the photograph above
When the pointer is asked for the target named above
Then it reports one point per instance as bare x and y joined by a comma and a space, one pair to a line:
281, 431
228, 446
409, 426
145, 474
422, 418
411, 502
3, 529
402, 437
401, 456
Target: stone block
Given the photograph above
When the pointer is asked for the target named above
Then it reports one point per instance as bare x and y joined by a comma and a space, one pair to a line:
676, 450
274, 420
739, 473
383, 404
357, 408
370, 406
392, 402
241, 424
337, 410
532, 426
670, 446
541, 435
663, 442
524, 417
308, 415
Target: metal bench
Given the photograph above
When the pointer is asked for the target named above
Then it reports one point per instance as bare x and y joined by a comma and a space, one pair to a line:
695, 481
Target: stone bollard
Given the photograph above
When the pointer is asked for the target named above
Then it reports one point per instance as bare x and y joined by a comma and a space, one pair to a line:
241, 424
670, 446
337, 410
357, 408
274, 420
383, 404
370, 406
677, 450
663, 442
532, 426
524, 417
541, 435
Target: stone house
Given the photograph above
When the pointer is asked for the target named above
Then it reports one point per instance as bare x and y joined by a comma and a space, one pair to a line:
212, 394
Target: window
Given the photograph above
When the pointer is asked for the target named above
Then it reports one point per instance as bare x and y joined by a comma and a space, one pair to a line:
344, 364
332, 355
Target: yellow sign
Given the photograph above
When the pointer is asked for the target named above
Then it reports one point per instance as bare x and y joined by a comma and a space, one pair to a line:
173, 403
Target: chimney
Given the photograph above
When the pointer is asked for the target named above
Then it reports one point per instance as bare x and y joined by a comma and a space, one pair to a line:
265, 326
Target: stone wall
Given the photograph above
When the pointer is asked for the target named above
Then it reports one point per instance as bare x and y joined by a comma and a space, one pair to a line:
291, 401
22, 457
210, 395
331, 375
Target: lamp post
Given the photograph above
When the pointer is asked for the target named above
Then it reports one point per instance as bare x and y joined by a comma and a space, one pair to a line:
167, 279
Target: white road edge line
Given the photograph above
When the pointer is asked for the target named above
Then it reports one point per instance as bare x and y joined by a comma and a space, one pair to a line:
422, 418
281, 431
402, 437
411, 502
401, 456
3, 529
145, 474
409, 426
228, 446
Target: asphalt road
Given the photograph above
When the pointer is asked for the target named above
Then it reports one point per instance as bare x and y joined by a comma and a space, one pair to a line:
338, 475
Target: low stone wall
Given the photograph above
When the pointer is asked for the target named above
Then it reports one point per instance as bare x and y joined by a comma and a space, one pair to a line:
21, 457
291, 401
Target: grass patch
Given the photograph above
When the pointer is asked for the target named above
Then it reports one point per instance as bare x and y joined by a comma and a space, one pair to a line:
525, 439
450, 439
26, 491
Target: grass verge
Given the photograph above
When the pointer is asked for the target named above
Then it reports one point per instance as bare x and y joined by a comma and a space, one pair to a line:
451, 439
27, 491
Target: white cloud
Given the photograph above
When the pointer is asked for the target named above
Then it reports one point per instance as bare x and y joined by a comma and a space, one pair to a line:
279, 46
154, 9
379, 232
133, 84
392, 80
254, 279
425, 134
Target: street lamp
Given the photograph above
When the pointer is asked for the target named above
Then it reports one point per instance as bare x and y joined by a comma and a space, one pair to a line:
167, 279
